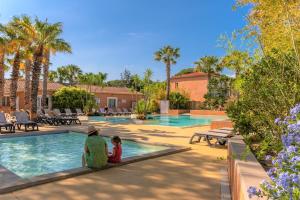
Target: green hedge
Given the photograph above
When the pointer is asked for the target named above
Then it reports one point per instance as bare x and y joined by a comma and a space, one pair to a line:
72, 97
178, 101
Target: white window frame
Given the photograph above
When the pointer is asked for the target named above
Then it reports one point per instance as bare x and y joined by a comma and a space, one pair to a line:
5, 100
39, 102
115, 98
98, 100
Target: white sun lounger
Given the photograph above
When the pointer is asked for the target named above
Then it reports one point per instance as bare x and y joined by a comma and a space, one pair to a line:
221, 136
79, 112
69, 112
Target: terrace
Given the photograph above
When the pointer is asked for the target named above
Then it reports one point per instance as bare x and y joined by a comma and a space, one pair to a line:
194, 174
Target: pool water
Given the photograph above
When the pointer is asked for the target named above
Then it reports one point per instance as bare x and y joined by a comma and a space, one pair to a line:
162, 120
178, 121
30, 156
117, 119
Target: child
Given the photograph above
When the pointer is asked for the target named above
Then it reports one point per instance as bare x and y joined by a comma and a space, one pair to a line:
115, 156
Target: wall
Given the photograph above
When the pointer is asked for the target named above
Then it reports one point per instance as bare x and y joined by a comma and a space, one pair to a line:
221, 124
243, 171
207, 112
124, 100
178, 112
196, 87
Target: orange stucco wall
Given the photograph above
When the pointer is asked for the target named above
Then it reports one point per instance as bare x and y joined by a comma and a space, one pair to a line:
221, 124
123, 100
195, 87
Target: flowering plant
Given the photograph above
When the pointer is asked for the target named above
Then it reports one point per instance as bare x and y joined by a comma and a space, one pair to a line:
284, 183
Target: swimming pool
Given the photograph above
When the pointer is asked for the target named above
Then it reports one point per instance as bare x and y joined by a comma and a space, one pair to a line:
30, 156
162, 120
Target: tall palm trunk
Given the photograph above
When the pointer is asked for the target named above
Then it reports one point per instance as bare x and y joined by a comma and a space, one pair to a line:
2, 80
168, 69
36, 72
27, 83
45, 78
14, 81
209, 76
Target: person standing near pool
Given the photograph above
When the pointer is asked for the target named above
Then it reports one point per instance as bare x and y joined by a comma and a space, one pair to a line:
95, 150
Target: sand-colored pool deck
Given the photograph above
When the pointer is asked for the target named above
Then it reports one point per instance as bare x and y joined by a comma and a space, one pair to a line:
188, 175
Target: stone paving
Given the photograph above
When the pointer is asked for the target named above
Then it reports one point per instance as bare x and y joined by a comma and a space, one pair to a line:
194, 174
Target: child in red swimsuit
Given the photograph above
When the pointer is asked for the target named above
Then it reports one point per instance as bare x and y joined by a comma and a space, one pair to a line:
115, 156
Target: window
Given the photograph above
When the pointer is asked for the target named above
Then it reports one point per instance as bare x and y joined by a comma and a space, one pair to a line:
5, 101
112, 102
39, 102
176, 85
97, 100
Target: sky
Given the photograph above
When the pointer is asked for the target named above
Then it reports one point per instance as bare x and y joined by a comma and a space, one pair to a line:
112, 35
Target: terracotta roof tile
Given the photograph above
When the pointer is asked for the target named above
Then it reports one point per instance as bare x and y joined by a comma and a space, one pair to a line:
55, 86
193, 74
115, 90
21, 86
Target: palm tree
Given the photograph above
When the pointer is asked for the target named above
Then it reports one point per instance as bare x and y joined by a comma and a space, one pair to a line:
209, 65
53, 76
90, 79
52, 47
73, 73
28, 68
62, 75
67, 75
26, 25
44, 33
17, 41
3, 51
167, 55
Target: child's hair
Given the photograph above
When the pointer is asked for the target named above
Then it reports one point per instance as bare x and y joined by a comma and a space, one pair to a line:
116, 139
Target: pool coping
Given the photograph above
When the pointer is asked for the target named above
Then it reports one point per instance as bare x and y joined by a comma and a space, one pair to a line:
143, 124
17, 183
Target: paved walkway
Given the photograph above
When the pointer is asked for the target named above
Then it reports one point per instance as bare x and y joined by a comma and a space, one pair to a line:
189, 175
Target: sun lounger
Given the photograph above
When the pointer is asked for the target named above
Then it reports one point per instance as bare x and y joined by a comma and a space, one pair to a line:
111, 111
220, 131
227, 128
66, 120
79, 112
4, 123
57, 112
69, 112
120, 112
22, 118
126, 111
45, 118
102, 111
221, 136
55, 119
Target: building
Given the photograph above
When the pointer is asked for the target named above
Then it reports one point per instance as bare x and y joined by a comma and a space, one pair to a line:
113, 97
193, 84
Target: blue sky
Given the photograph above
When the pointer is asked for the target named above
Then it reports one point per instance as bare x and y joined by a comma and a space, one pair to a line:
111, 35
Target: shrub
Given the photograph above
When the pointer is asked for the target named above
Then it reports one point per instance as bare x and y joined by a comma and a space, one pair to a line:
268, 89
285, 174
218, 92
141, 109
178, 101
73, 97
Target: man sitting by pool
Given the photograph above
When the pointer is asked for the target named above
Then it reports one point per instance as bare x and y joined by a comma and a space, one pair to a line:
95, 150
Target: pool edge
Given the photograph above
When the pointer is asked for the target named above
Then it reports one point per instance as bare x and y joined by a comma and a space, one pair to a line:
52, 177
